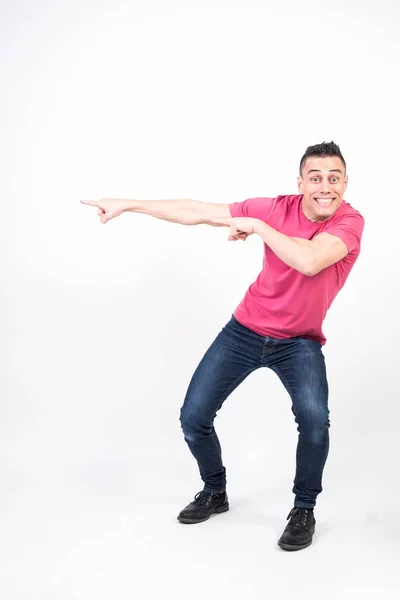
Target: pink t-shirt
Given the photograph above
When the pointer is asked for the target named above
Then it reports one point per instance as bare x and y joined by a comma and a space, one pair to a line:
282, 302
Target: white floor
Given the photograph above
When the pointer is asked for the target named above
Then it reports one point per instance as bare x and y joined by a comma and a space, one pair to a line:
64, 541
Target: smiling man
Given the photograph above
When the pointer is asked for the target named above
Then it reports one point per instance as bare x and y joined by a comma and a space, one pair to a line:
311, 242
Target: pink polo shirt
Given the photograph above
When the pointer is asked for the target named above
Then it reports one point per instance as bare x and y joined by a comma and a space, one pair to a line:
282, 302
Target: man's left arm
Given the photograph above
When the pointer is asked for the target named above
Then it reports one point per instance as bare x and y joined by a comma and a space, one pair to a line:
309, 257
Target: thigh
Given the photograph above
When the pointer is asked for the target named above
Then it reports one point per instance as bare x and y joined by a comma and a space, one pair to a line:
233, 355
301, 368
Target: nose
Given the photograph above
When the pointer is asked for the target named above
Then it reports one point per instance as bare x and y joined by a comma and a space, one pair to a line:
326, 186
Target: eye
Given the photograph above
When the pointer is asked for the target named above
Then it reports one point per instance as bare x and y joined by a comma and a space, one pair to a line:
334, 180
314, 179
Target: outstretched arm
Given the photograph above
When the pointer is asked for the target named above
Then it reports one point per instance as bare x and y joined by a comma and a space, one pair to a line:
185, 212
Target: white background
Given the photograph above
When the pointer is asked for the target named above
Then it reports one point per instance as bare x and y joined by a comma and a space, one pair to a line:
102, 326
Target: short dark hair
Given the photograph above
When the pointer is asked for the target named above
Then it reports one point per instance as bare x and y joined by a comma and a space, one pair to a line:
324, 149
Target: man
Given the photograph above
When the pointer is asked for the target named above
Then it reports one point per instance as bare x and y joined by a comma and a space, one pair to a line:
311, 242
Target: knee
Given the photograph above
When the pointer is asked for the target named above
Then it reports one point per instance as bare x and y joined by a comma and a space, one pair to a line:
194, 426
314, 424
186, 422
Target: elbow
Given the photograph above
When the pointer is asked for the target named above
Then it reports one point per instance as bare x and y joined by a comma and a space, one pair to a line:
309, 269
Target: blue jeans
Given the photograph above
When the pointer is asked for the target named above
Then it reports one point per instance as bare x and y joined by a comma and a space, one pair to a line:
234, 354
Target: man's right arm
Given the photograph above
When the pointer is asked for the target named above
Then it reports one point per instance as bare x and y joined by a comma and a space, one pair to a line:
185, 212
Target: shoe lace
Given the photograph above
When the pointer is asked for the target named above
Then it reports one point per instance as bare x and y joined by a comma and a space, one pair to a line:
298, 515
203, 497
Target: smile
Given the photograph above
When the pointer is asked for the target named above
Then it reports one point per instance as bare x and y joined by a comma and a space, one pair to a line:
324, 201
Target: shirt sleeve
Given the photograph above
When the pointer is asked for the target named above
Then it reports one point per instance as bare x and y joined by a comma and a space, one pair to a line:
349, 230
256, 208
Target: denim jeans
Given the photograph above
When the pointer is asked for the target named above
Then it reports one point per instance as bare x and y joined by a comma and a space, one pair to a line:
234, 354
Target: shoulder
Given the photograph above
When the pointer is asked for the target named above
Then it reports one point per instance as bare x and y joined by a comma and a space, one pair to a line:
347, 213
346, 217
259, 207
264, 208
347, 224
290, 198
289, 201
286, 202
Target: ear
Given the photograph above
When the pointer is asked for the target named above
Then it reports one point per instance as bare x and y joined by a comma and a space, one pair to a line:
300, 184
346, 180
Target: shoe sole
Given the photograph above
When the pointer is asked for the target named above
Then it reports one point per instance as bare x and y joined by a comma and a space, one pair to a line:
291, 548
188, 521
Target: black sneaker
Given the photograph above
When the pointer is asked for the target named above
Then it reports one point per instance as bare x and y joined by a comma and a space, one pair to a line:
203, 506
299, 531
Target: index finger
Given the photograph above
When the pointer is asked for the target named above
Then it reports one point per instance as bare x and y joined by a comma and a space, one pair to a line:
89, 202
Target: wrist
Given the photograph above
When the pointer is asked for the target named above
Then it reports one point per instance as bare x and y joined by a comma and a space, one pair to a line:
131, 206
258, 227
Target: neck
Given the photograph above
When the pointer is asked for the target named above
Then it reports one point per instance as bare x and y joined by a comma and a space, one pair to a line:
311, 216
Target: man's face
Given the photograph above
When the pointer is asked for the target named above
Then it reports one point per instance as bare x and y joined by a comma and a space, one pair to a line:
323, 182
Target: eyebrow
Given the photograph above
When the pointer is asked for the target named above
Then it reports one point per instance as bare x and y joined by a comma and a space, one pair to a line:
330, 171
